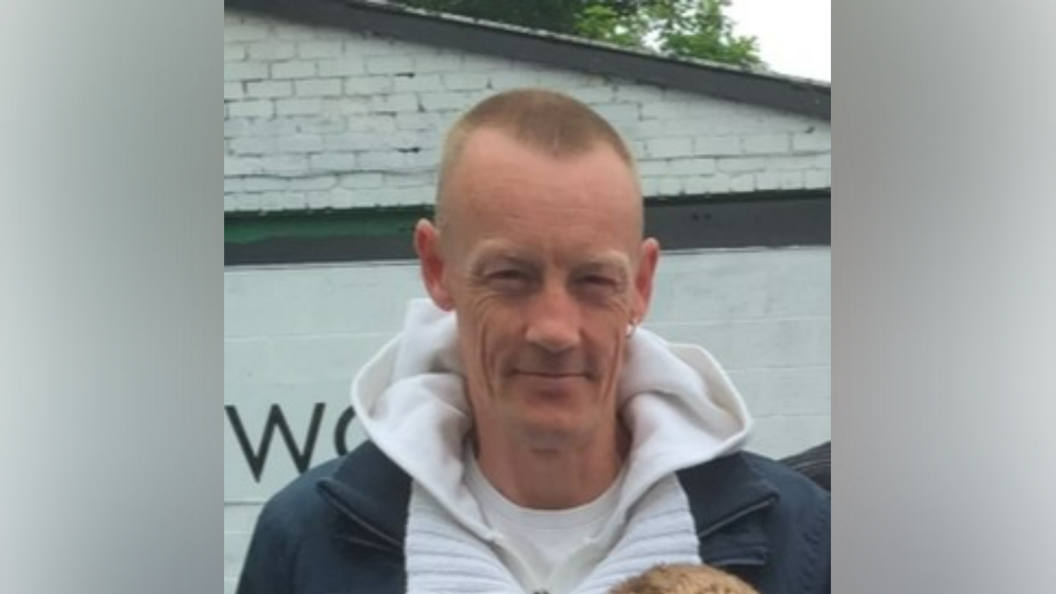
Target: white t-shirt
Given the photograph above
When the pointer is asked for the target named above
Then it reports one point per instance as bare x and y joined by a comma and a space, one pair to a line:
543, 549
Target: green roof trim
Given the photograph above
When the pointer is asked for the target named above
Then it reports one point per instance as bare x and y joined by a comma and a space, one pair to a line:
247, 228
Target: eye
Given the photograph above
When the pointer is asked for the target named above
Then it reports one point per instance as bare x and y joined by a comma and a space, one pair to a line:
508, 280
507, 275
598, 280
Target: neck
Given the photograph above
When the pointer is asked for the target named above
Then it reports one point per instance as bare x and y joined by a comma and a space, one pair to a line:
553, 477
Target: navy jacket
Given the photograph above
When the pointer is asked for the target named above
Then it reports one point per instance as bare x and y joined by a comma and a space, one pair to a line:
340, 527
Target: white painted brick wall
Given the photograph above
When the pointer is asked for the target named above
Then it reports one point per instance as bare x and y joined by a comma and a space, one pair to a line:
296, 335
324, 96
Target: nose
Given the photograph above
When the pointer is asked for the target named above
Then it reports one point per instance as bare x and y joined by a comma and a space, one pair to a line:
554, 320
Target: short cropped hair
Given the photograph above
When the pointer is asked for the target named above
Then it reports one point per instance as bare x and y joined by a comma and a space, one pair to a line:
547, 121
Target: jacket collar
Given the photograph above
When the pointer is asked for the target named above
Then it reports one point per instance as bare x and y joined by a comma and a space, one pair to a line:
725, 496
372, 492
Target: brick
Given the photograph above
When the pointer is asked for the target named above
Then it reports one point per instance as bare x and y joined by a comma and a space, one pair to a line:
663, 110
420, 121
389, 64
718, 184
268, 128
382, 161
319, 87
254, 145
241, 165
394, 103
270, 88
298, 106
465, 81
340, 198
295, 32
234, 184
402, 179
669, 147
742, 165
790, 163
670, 186
427, 158
717, 145
378, 123
322, 125
362, 180
245, 32
345, 106
778, 180
594, 94
352, 141
313, 183
812, 142
652, 167
699, 185
251, 109
438, 63
271, 50
234, 90
320, 49
742, 183
284, 163
417, 83
449, 100
696, 166
234, 53
244, 71
632, 93
765, 144
618, 112
368, 85
817, 179
348, 66
266, 184
333, 162
293, 69
823, 161
302, 143
513, 79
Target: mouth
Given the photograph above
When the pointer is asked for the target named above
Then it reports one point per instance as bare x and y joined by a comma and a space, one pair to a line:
550, 374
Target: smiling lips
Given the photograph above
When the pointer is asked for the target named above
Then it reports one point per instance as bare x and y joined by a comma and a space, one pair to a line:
551, 374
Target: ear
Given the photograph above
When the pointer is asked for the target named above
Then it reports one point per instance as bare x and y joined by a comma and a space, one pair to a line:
431, 262
648, 256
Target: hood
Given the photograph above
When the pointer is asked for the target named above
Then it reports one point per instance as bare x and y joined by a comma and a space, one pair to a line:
678, 403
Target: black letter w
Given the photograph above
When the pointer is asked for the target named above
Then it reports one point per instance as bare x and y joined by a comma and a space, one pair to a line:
301, 459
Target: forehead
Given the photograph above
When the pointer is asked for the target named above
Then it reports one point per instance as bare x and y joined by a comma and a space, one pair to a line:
500, 188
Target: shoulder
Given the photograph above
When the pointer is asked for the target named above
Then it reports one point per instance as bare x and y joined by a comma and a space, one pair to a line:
758, 513
361, 476
307, 539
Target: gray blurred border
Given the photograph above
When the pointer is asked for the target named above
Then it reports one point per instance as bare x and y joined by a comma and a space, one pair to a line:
112, 235
944, 292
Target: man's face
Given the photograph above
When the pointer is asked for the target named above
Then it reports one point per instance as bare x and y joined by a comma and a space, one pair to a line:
541, 258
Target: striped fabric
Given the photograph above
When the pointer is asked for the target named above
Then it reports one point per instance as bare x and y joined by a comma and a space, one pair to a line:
444, 557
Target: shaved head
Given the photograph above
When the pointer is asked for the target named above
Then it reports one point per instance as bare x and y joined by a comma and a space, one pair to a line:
551, 123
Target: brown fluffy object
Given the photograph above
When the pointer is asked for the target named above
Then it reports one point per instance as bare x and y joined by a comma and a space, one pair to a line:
684, 579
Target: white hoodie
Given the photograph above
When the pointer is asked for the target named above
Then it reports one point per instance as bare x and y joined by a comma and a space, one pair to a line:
681, 409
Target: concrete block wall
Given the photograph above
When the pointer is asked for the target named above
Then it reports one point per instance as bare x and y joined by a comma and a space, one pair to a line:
294, 336
317, 118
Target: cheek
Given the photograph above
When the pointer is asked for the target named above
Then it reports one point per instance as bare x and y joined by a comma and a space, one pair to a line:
490, 328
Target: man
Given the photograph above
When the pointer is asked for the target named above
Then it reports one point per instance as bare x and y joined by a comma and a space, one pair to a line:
525, 435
